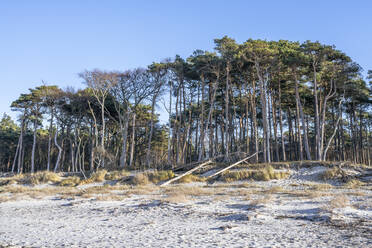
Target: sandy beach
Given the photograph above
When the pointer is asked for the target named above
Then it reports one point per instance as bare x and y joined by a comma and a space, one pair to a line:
294, 212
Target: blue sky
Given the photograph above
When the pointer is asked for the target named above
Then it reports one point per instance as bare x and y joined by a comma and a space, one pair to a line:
55, 40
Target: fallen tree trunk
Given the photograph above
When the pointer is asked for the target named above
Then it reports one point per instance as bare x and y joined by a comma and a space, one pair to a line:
186, 173
230, 166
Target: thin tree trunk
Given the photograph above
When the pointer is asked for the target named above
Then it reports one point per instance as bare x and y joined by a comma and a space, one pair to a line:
281, 124
133, 139
316, 108
202, 126
59, 152
20, 157
123, 157
148, 153
301, 115
170, 135
275, 123
33, 149
262, 83
50, 138
16, 154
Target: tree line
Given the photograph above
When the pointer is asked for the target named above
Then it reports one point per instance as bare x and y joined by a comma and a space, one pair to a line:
284, 100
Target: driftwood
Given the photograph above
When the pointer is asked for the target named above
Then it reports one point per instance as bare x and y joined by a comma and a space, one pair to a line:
230, 166
186, 173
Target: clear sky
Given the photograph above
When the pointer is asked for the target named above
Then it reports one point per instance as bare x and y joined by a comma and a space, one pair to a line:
55, 40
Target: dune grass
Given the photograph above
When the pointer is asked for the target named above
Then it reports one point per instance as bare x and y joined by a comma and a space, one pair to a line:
176, 198
353, 184
70, 181
95, 177
265, 174
145, 178
331, 174
158, 176
190, 178
339, 201
139, 179
116, 175
33, 179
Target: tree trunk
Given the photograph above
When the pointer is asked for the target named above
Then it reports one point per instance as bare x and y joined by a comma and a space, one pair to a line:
333, 134
275, 123
16, 153
148, 152
133, 139
316, 110
33, 149
123, 157
59, 152
281, 124
262, 83
202, 126
301, 115
50, 138
227, 114
170, 135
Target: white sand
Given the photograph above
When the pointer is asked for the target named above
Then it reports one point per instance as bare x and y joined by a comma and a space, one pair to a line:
204, 221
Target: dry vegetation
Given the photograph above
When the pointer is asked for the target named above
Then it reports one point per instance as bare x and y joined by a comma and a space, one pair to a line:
354, 183
331, 174
144, 183
70, 181
145, 178
32, 179
190, 178
117, 175
338, 201
265, 174
176, 198
98, 176
110, 197
261, 201
158, 176
139, 179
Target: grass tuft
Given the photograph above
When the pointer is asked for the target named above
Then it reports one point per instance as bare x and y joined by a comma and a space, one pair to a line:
70, 181
95, 177
158, 176
354, 183
190, 178
39, 178
339, 201
139, 179
331, 174
116, 175
265, 174
176, 198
